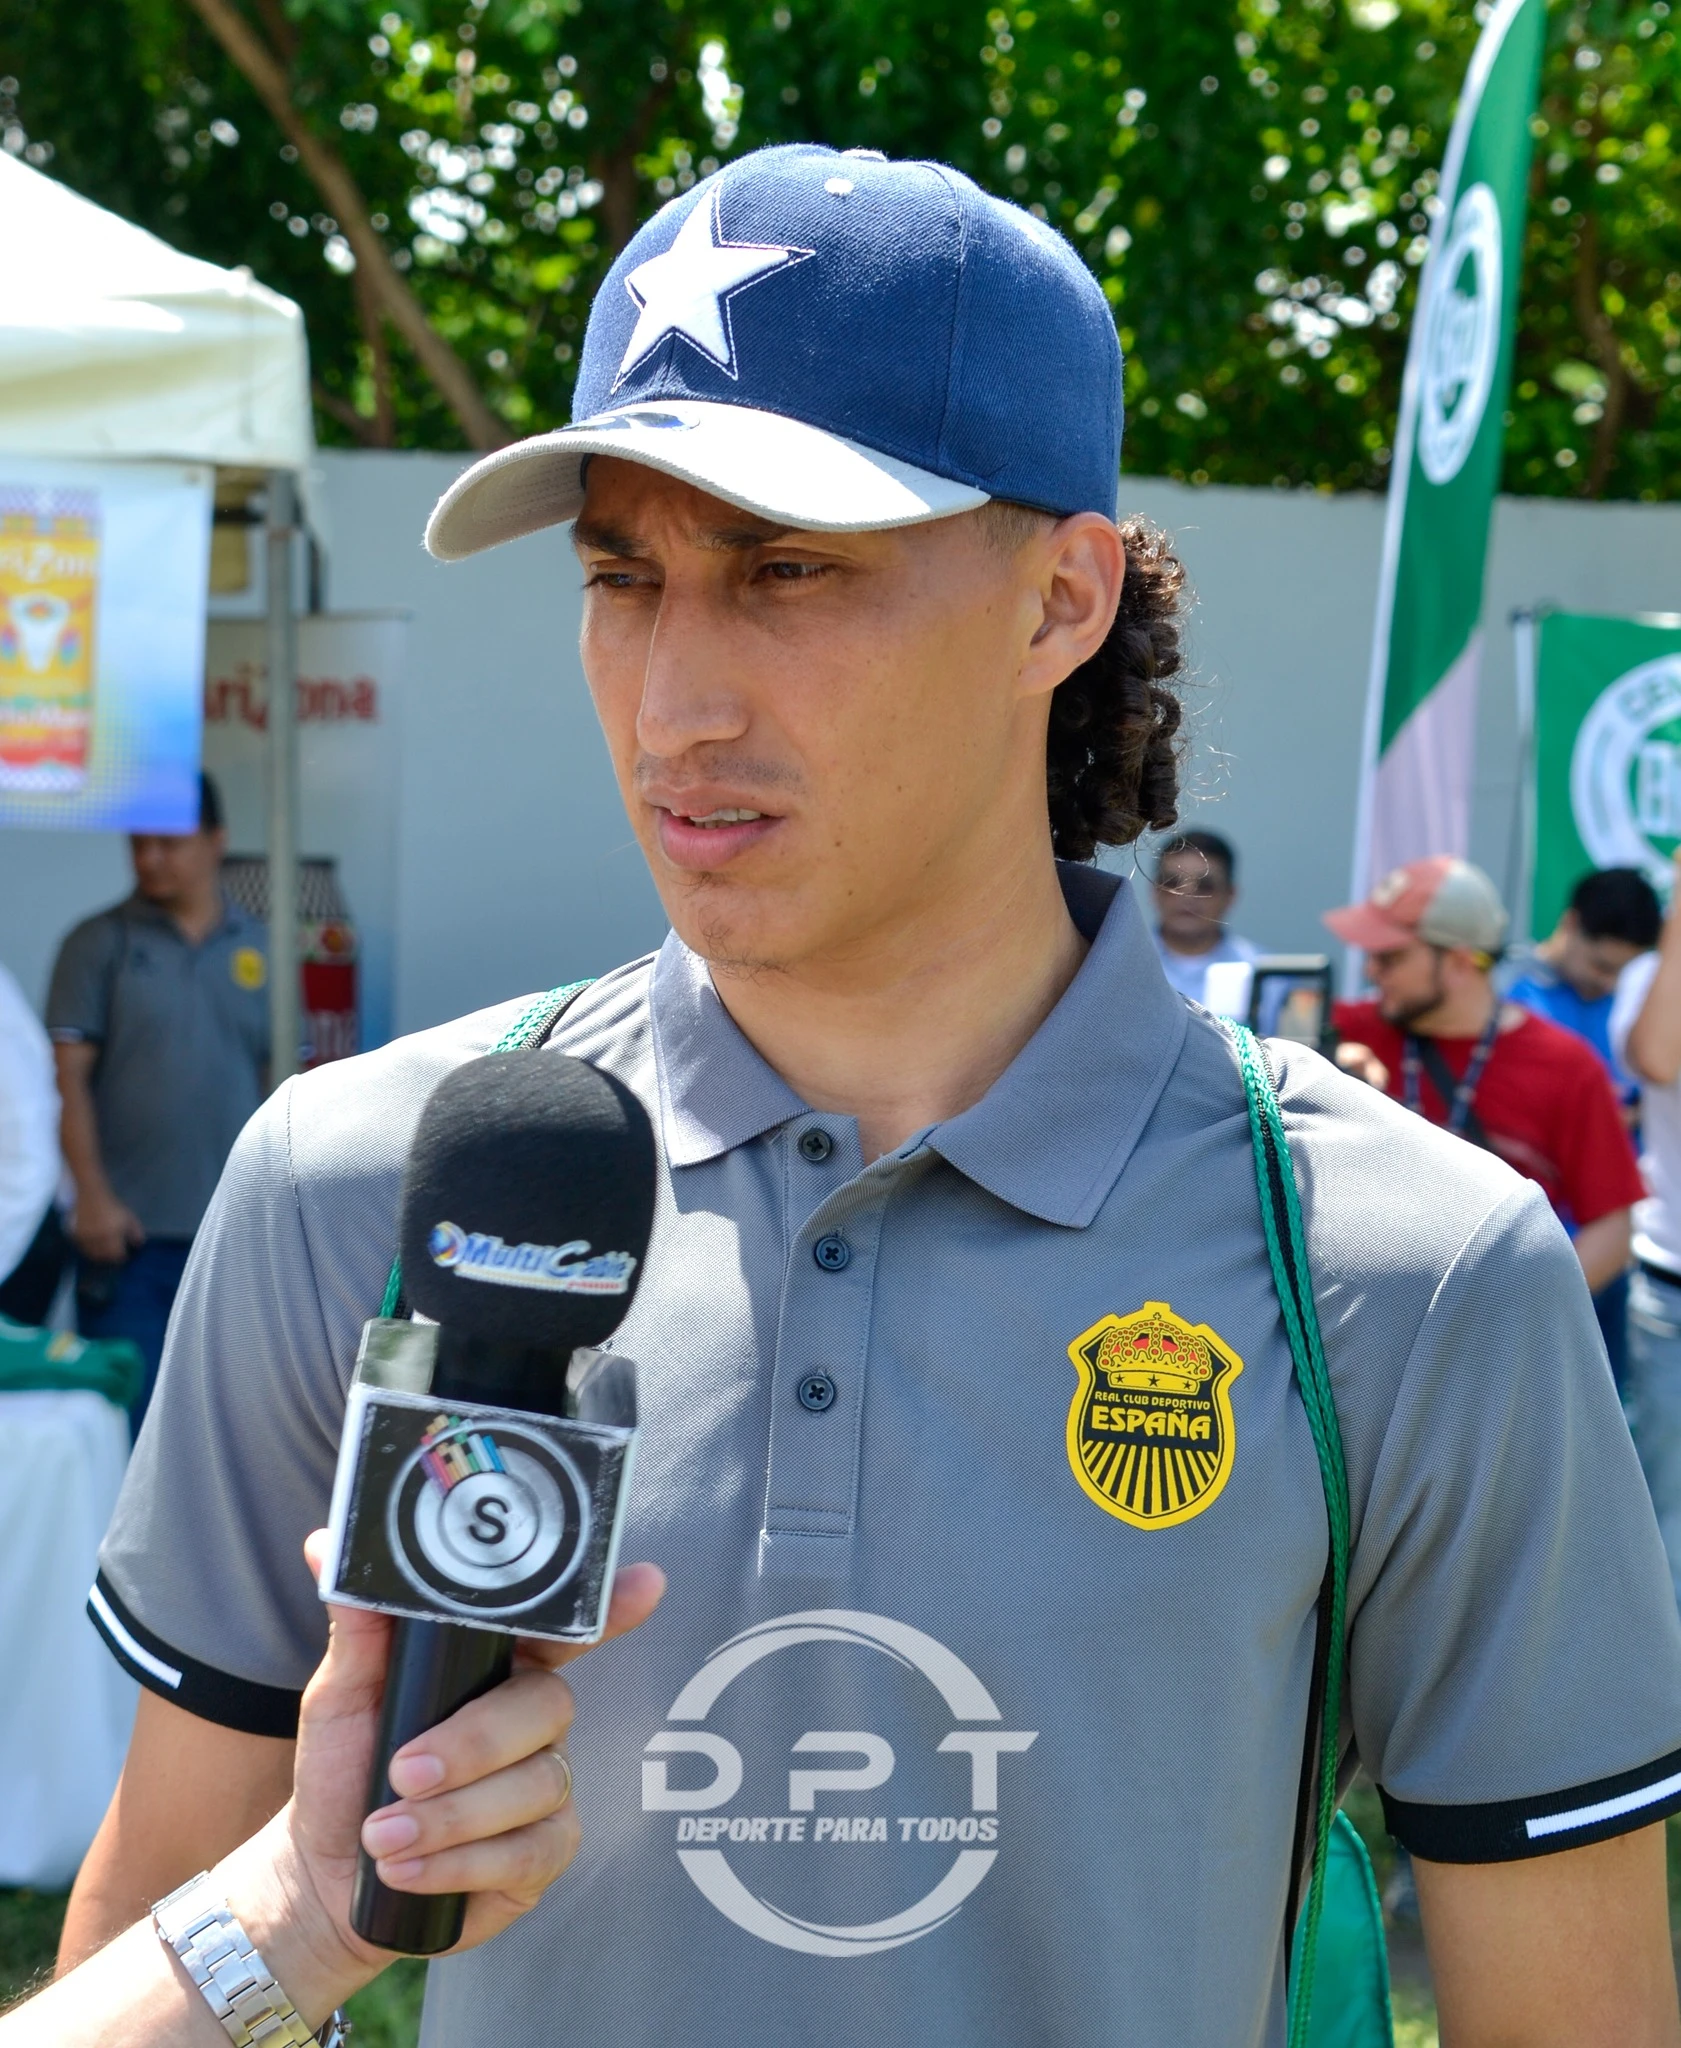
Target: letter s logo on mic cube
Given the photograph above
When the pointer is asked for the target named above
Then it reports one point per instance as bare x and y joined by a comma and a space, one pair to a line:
455, 1511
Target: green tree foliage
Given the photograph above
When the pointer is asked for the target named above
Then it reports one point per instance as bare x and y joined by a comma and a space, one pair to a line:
1252, 182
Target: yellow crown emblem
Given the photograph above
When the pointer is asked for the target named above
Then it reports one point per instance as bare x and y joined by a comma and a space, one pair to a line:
1151, 1436
1155, 1352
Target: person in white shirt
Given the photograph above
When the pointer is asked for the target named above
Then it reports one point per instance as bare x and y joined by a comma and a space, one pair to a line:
31, 1242
1646, 1038
1195, 888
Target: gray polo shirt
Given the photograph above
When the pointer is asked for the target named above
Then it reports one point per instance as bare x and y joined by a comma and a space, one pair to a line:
182, 1031
974, 1713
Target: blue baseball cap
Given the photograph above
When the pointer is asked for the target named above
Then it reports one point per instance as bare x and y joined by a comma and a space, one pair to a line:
833, 341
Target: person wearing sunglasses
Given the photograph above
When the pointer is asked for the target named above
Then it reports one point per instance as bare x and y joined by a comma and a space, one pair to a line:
1195, 888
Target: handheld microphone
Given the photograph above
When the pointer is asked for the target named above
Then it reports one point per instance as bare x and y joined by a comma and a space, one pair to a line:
486, 1450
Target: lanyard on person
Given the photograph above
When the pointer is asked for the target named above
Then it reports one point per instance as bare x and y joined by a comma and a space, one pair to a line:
1465, 1090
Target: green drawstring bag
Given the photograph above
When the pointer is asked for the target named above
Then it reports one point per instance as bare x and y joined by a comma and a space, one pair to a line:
53, 1361
1339, 1967
1351, 1970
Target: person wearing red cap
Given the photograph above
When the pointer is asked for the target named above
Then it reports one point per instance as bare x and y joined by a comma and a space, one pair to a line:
1439, 1039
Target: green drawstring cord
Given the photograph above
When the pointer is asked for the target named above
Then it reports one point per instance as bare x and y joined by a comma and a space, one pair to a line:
530, 1027
393, 1289
1276, 1181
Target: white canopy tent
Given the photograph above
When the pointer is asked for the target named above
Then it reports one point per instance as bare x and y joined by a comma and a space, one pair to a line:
114, 345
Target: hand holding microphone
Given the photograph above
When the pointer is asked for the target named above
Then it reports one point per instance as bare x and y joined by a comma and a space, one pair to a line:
486, 1451
497, 1824
486, 1812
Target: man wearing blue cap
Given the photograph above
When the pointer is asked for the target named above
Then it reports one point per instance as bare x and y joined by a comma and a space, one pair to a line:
975, 1714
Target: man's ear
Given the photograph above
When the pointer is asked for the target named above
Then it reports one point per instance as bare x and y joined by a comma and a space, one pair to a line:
1081, 567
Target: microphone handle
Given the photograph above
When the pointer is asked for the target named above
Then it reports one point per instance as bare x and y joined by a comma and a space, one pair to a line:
436, 1667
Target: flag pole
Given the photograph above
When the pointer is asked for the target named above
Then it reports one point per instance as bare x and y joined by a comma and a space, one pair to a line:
1520, 850
284, 994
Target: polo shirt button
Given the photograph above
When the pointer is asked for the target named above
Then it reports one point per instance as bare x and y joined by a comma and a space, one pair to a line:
832, 1253
815, 1145
817, 1392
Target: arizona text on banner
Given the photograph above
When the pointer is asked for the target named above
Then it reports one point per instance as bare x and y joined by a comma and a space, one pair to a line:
1415, 791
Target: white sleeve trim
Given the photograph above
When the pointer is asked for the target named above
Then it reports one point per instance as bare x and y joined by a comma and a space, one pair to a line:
1605, 1809
165, 1673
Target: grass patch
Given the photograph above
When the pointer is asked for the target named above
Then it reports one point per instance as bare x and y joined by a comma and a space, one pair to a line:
387, 2013
1415, 2020
29, 1924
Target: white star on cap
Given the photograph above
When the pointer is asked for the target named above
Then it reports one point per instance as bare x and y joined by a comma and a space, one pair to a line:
687, 290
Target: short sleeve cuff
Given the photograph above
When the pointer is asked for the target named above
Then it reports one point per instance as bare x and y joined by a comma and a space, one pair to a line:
1516, 1828
71, 1034
201, 1689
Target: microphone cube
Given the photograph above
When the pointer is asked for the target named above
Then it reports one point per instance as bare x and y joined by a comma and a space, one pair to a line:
491, 1517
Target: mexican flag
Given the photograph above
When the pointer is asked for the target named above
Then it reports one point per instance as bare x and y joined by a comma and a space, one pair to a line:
1415, 786
1607, 753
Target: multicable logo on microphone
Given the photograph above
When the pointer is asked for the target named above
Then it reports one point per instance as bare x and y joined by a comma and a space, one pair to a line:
548, 1268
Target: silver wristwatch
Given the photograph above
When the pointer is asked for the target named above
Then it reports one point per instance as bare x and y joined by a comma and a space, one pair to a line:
238, 1985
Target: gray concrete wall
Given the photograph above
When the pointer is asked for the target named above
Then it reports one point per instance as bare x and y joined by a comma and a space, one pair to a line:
516, 866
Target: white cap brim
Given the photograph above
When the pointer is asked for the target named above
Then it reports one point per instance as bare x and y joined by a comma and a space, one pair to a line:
779, 468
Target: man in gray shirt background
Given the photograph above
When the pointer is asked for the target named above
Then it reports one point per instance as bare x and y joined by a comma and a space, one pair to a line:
159, 1021
974, 1715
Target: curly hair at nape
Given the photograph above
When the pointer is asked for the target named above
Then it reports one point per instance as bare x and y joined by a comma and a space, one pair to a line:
1113, 751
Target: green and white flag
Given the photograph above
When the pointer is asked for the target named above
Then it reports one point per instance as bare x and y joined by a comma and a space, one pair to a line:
1415, 789
1607, 753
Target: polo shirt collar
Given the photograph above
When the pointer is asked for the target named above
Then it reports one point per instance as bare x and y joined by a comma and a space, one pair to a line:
1053, 1132
716, 1092
1050, 1136
143, 911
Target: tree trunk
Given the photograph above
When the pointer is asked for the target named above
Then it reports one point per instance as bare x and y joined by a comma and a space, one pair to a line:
340, 409
616, 168
339, 191
1601, 336
373, 330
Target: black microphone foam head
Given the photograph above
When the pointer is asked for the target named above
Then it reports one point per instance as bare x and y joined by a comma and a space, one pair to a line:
528, 1201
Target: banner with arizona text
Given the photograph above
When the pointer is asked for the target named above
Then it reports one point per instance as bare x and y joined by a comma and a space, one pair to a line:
104, 572
1607, 752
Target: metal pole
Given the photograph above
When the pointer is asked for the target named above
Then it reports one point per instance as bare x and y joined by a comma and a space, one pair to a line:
284, 1007
1520, 853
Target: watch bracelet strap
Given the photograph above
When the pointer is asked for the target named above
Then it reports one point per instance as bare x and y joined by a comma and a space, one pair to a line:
240, 1989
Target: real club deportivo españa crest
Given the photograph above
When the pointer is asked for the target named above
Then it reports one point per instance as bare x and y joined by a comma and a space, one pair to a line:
1150, 1431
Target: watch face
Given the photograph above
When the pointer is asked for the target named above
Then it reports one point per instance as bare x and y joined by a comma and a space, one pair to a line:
460, 1512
